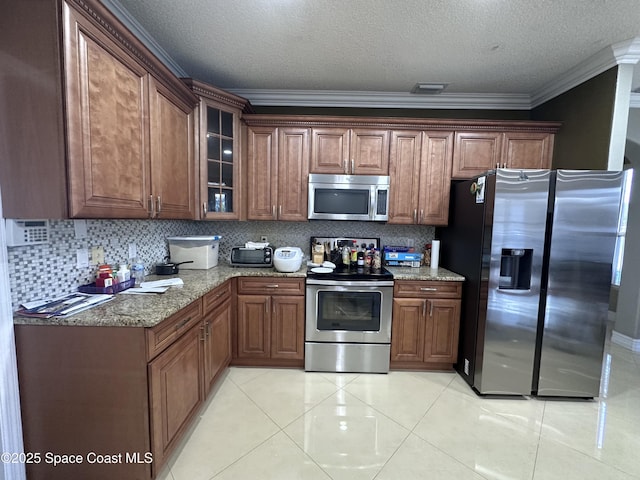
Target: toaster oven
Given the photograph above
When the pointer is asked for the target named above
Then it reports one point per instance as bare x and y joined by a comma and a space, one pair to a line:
251, 257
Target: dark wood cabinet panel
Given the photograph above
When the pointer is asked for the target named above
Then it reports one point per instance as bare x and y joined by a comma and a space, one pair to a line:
369, 151
175, 391
475, 153
287, 328
293, 173
426, 324
407, 330
329, 150
261, 173
527, 150
404, 171
217, 331
254, 326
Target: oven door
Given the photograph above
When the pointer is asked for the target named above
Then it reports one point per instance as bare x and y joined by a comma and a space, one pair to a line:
348, 311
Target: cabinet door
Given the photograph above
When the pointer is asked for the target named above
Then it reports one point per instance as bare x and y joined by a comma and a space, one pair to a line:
329, 150
369, 151
254, 326
293, 173
175, 391
475, 153
261, 173
287, 327
527, 150
172, 158
435, 178
107, 111
219, 162
217, 353
408, 329
404, 172
442, 329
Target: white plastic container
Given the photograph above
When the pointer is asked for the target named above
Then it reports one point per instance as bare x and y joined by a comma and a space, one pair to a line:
202, 250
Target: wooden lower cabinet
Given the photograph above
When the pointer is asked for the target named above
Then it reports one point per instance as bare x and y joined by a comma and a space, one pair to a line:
120, 390
426, 324
175, 391
270, 322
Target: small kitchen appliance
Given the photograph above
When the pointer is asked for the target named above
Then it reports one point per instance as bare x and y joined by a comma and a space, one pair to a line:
287, 259
243, 256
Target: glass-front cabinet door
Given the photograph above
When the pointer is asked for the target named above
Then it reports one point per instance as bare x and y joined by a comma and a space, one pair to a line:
221, 158
219, 152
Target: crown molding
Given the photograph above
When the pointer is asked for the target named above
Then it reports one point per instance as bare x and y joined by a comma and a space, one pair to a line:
360, 99
623, 52
139, 31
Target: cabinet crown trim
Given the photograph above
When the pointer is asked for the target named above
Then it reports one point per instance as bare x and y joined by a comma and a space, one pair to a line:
402, 123
111, 25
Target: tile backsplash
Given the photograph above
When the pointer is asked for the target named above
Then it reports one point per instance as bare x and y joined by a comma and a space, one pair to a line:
49, 270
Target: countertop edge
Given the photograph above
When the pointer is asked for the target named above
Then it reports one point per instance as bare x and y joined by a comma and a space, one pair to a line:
149, 310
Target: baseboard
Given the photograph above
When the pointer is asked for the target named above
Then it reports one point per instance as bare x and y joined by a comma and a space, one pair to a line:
629, 343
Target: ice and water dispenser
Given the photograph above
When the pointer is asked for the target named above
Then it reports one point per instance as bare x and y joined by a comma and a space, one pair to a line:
515, 269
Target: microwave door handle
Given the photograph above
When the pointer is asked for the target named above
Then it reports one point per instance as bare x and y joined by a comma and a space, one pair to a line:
372, 203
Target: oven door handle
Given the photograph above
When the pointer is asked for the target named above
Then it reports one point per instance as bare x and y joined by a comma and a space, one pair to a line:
351, 283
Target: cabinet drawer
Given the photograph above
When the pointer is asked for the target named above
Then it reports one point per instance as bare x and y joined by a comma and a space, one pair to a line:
216, 296
167, 331
271, 286
431, 289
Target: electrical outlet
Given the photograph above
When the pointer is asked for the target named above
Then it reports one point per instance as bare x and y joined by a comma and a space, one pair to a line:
82, 258
133, 251
263, 239
97, 255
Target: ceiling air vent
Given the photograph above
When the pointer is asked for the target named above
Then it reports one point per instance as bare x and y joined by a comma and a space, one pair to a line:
428, 88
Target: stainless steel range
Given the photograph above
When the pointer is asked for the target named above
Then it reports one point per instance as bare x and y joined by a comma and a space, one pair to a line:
348, 313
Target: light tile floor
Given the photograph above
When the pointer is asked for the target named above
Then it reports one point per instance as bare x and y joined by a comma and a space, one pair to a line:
287, 424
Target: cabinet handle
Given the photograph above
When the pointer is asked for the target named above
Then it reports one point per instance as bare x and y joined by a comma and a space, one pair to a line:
279, 211
353, 166
182, 323
206, 329
424, 308
203, 335
498, 165
421, 216
431, 309
159, 204
415, 215
273, 211
346, 166
428, 289
204, 209
152, 207
272, 285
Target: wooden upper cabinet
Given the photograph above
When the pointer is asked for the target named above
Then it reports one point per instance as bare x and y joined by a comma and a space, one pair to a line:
527, 150
261, 173
293, 173
107, 110
329, 150
369, 151
277, 173
343, 151
475, 153
219, 155
172, 157
435, 178
404, 171
420, 171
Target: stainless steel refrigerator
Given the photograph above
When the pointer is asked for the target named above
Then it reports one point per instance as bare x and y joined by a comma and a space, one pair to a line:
536, 248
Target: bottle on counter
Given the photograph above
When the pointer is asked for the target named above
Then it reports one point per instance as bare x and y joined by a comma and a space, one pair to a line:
137, 271
123, 274
105, 276
361, 254
354, 254
377, 260
346, 255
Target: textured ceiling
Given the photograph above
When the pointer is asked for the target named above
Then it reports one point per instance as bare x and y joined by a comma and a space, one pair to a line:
477, 46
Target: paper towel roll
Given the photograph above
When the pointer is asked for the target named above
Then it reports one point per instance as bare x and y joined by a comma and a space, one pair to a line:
435, 254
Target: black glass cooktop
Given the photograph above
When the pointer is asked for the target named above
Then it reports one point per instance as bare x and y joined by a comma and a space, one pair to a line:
342, 272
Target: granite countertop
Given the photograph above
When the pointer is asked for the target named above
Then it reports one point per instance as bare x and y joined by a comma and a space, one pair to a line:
149, 310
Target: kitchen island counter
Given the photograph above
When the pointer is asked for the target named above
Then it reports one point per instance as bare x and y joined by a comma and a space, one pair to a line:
149, 310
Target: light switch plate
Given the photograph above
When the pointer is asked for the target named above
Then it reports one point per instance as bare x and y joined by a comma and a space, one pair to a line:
133, 251
82, 258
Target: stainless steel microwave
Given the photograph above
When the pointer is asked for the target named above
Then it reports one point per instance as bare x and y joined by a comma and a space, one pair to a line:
349, 197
